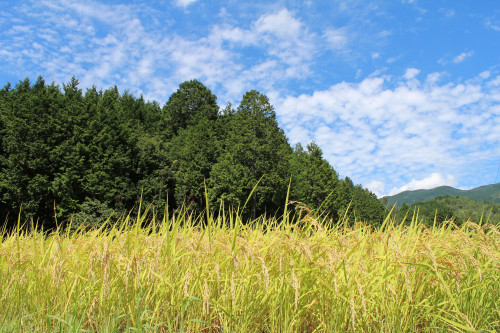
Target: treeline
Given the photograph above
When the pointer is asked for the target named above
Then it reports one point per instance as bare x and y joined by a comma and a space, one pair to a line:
446, 208
68, 154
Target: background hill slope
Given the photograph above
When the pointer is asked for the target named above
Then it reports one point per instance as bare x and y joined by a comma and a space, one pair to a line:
490, 193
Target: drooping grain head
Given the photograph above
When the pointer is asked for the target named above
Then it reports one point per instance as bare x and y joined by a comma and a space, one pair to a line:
186, 284
265, 272
206, 298
353, 312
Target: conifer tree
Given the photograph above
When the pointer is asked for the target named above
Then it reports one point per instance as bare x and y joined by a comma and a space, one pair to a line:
255, 147
191, 101
313, 179
192, 112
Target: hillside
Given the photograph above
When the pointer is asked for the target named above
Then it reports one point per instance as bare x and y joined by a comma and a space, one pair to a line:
490, 193
461, 209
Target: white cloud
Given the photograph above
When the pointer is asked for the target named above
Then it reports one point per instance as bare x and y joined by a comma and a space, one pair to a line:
376, 187
104, 45
462, 56
285, 45
184, 3
484, 75
448, 13
411, 73
387, 131
434, 180
336, 38
492, 25
281, 24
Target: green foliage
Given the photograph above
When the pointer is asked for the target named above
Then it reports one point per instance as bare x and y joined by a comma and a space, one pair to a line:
59, 148
194, 150
191, 101
366, 206
313, 179
254, 148
461, 209
446, 208
92, 215
68, 154
34, 128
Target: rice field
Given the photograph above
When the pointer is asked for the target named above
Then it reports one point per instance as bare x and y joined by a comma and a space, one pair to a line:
215, 274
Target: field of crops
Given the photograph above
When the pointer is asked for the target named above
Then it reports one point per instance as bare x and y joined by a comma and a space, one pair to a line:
207, 274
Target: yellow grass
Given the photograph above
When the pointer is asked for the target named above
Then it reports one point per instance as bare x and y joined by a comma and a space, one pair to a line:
269, 276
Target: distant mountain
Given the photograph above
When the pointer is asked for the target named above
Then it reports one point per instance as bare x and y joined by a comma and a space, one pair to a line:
489, 193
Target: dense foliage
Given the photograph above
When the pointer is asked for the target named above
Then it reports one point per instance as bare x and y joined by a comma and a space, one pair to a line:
65, 153
458, 209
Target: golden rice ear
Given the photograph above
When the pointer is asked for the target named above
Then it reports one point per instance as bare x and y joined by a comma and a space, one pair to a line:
353, 312
265, 272
206, 299
233, 291
186, 284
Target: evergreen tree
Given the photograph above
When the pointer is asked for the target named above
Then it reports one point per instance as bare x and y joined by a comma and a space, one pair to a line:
191, 101
108, 177
313, 179
64, 152
366, 206
194, 150
255, 147
343, 197
31, 137
192, 112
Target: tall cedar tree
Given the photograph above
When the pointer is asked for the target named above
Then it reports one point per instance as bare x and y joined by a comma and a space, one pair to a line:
255, 147
61, 150
192, 112
33, 130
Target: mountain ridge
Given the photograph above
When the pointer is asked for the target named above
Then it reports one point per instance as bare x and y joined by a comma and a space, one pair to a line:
490, 193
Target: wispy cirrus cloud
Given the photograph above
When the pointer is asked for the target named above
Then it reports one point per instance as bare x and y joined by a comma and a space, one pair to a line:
108, 44
336, 38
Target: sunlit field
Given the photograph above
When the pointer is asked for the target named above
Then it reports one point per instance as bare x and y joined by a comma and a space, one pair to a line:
203, 273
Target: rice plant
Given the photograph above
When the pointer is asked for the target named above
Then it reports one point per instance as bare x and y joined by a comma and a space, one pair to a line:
299, 273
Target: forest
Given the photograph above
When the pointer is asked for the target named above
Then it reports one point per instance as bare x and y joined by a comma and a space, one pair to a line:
82, 156
449, 208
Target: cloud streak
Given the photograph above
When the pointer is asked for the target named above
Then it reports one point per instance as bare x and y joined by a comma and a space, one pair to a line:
462, 56
184, 3
434, 180
108, 44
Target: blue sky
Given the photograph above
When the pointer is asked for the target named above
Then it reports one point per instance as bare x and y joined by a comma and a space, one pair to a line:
398, 94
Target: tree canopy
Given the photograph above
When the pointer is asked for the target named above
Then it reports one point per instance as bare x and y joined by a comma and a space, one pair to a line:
66, 154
